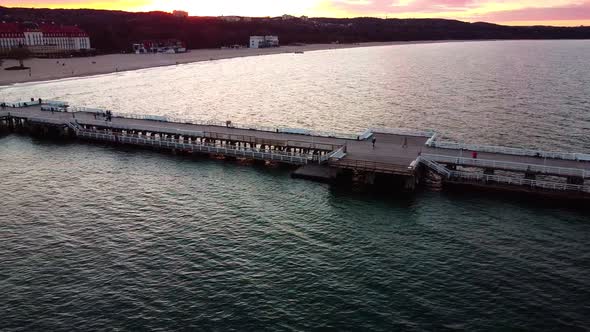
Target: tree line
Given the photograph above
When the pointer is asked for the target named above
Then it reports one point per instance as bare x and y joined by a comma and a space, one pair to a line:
116, 31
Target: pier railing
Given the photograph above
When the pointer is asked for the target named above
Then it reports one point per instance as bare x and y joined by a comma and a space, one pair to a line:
218, 123
336, 154
440, 169
507, 165
142, 127
207, 134
403, 132
227, 150
478, 177
511, 151
87, 110
485, 178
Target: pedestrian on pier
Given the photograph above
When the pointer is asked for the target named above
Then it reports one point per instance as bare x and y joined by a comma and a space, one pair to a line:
373, 141
474, 154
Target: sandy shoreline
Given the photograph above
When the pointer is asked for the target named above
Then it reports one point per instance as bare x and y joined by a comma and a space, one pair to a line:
53, 69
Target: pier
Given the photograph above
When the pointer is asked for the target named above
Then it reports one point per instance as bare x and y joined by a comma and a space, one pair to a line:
409, 157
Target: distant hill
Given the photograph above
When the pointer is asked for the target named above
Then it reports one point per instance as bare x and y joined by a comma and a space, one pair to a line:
115, 31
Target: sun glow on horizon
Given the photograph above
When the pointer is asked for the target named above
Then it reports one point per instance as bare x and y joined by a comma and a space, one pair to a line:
514, 12
232, 7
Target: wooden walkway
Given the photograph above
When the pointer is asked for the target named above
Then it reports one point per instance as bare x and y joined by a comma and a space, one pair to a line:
393, 153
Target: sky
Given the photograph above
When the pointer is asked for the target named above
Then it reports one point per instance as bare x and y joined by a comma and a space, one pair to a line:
512, 12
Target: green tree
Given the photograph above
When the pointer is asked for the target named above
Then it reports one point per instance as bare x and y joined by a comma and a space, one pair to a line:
20, 54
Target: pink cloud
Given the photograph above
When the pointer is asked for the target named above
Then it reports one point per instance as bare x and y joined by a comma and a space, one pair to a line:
389, 6
564, 13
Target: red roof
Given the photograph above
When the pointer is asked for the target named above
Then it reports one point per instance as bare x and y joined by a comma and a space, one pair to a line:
62, 29
11, 30
9, 27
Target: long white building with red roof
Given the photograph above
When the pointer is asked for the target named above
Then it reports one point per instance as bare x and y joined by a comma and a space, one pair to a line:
43, 38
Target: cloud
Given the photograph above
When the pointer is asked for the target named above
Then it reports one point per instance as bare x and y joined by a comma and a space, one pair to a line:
574, 12
400, 6
560, 12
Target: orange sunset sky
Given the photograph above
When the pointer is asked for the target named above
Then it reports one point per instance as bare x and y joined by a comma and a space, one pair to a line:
514, 12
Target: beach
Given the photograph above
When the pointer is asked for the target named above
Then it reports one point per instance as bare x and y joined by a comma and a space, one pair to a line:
53, 69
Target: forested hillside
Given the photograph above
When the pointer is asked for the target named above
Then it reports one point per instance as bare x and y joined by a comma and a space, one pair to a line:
115, 31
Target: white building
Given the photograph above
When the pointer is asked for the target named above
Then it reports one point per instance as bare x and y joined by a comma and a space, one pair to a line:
264, 41
160, 46
43, 38
231, 18
11, 36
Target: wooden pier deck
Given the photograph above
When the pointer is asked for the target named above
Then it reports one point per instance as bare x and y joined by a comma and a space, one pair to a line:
396, 152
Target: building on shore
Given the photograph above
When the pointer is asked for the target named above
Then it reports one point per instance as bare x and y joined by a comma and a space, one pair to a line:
44, 39
170, 46
264, 41
180, 13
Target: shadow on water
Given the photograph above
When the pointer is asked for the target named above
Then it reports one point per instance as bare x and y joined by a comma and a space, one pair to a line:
529, 201
388, 196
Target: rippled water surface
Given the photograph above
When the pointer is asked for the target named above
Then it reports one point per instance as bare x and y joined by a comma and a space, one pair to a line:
98, 238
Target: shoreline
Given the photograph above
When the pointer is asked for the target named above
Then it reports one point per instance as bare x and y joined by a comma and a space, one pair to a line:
43, 70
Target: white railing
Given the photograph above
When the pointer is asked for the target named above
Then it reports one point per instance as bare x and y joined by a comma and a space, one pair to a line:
333, 134
74, 126
518, 181
511, 151
365, 135
193, 133
336, 154
21, 104
218, 123
254, 153
431, 141
87, 110
172, 131
56, 103
507, 165
403, 131
434, 166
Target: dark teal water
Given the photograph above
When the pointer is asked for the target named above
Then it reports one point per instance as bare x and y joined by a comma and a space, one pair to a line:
96, 238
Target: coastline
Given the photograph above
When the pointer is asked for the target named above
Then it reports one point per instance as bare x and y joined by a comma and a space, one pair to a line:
55, 69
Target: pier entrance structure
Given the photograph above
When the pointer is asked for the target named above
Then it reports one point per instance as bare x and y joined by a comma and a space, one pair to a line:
414, 156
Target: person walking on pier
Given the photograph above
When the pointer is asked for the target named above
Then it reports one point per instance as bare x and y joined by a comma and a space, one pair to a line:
373, 141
